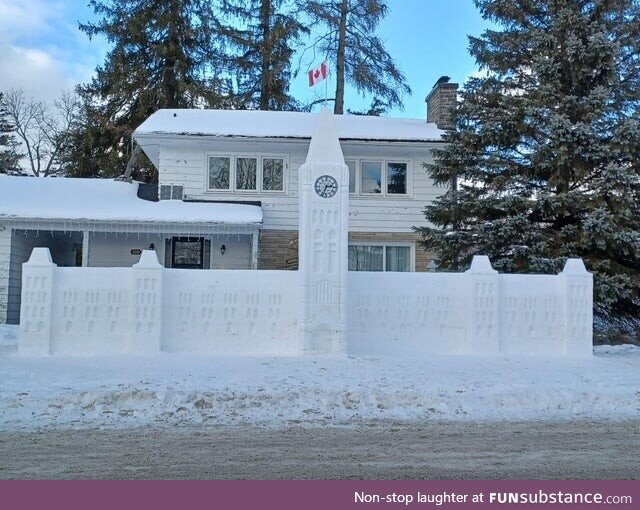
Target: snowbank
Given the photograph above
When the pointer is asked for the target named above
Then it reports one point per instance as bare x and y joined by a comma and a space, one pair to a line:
173, 389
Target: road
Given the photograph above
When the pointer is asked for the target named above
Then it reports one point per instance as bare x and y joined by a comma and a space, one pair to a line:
431, 450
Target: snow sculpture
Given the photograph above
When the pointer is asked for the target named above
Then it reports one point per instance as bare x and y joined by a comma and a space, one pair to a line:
578, 308
483, 331
37, 297
147, 291
323, 242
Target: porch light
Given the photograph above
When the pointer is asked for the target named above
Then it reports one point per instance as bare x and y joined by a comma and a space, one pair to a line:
223, 248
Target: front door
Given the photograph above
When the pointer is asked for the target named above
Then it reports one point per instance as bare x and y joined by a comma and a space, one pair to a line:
187, 253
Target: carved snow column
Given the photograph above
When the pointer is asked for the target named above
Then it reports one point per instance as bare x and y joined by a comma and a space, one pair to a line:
38, 275
483, 326
146, 325
578, 308
323, 242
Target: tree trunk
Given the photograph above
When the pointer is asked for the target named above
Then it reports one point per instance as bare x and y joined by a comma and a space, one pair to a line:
168, 76
342, 30
265, 68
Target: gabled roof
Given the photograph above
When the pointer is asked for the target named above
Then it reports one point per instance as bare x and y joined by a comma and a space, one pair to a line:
265, 124
107, 200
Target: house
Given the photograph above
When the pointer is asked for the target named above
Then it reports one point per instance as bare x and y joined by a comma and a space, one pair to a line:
227, 196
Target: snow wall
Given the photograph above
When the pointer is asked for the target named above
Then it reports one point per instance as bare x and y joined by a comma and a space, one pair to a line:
147, 308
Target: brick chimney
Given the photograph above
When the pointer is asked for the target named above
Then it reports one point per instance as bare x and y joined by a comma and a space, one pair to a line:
441, 103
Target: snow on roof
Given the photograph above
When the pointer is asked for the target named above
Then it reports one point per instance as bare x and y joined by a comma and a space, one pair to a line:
107, 200
263, 124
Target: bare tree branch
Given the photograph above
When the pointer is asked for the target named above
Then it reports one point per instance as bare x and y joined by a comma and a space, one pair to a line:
43, 129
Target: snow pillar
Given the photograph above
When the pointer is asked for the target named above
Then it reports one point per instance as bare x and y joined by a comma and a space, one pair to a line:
38, 275
146, 327
577, 283
483, 326
323, 243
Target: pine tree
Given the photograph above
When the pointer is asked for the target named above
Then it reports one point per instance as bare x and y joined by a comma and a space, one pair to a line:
258, 39
9, 155
162, 57
545, 160
351, 43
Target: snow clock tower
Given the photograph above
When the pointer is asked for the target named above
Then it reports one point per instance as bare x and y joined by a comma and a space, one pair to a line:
323, 242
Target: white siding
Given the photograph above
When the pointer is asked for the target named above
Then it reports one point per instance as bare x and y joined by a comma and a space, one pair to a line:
183, 161
5, 257
111, 250
21, 247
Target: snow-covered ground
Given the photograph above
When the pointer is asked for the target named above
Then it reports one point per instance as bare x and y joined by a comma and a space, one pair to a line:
174, 389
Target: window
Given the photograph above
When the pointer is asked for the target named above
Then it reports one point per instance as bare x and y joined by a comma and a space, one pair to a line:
398, 258
383, 177
246, 173
371, 180
379, 257
219, 172
397, 178
171, 192
187, 252
365, 258
272, 174
352, 176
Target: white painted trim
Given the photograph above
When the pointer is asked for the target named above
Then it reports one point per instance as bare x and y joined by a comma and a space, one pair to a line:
384, 244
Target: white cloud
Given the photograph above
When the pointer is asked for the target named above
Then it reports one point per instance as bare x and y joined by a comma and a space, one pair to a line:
35, 71
41, 49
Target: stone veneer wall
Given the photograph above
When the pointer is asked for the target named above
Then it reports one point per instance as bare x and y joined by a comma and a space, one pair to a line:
275, 246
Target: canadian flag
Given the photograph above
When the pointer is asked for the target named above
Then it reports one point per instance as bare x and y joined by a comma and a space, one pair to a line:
318, 74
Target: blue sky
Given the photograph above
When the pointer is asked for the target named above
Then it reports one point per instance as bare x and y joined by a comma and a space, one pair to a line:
43, 52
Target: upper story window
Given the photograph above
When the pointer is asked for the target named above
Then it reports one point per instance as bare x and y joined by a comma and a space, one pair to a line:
378, 177
219, 172
246, 173
272, 174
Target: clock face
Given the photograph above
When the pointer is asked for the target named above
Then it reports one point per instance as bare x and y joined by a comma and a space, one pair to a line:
326, 186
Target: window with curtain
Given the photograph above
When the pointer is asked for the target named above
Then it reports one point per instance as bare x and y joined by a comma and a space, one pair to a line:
379, 258
366, 258
398, 258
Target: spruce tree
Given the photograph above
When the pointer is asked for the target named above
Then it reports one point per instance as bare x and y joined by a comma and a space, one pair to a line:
545, 161
162, 57
258, 39
9, 155
349, 40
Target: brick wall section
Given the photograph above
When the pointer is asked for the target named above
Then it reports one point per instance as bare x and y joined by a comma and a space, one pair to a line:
275, 246
441, 104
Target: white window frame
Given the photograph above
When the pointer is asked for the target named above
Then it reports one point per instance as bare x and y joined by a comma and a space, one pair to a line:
384, 244
259, 177
383, 161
